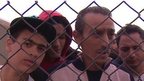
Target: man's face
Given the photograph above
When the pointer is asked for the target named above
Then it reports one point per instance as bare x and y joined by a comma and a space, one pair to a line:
27, 52
59, 43
96, 36
130, 49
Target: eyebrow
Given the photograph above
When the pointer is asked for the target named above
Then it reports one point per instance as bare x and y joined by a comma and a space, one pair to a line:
30, 40
112, 30
98, 30
61, 34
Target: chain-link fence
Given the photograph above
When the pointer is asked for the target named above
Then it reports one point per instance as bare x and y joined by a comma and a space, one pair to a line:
73, 63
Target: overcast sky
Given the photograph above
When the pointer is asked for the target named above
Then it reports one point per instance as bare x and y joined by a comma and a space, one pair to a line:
122, 15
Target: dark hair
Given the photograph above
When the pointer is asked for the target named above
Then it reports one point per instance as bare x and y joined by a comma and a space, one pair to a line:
33, 25
65, 23
129, 29
80, 24
61, 20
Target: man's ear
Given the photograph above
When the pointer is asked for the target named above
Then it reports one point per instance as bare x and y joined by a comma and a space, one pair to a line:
78, 37
142, 48
9, 43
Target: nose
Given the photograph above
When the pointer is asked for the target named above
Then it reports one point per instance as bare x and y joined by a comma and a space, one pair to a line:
56, 44
132, 53
106, 39
33, 51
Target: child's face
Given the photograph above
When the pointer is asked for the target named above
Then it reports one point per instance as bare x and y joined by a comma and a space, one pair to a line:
27, 52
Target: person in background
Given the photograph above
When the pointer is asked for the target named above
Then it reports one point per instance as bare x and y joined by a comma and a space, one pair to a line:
94, 31
28, 43
130, 42
61, 45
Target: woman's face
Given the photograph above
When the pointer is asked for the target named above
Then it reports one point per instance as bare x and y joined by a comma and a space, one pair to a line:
59, 42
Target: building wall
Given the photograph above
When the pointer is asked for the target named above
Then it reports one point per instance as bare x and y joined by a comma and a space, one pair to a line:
3, 36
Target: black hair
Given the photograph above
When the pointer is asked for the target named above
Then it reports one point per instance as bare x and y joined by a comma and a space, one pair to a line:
129, 29
33, 25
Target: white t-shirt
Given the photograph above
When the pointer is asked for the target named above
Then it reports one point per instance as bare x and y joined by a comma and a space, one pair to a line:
29, 79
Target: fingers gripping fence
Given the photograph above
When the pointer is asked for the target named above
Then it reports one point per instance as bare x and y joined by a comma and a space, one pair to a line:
78, 64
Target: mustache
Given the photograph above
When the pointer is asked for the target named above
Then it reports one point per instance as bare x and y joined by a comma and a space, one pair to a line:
103, 50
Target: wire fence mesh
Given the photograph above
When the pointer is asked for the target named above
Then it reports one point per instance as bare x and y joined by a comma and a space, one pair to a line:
75, 54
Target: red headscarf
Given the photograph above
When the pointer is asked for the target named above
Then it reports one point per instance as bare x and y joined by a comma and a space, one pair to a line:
59, 18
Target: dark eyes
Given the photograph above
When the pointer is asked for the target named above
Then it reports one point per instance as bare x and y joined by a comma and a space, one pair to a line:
135, 47
97, 32
110, 34
42, 48
27, 44
30, 44
126, 49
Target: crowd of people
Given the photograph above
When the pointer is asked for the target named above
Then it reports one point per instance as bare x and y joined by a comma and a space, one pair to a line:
38, 48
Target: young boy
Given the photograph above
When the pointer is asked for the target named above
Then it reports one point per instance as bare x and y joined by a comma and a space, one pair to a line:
26, 47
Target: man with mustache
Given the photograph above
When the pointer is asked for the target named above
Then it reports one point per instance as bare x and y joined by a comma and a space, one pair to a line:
94, 32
